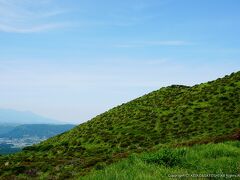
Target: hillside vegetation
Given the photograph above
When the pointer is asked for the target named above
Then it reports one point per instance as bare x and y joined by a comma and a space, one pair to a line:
172, 116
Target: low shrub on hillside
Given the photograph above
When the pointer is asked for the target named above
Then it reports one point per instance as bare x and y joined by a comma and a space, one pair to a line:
166, 156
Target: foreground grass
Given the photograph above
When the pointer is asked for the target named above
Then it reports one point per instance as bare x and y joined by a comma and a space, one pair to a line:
216, 160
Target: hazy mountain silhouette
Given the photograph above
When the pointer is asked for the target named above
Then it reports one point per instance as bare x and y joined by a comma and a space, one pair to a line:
10, 116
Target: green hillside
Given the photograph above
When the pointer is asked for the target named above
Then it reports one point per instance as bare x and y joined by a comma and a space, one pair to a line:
172, 116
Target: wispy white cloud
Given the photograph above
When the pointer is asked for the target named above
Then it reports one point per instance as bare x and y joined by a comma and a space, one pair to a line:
153, 43
28, 16
38, 28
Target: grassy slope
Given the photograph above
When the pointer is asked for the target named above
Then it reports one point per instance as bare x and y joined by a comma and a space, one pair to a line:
174, 115
217, 160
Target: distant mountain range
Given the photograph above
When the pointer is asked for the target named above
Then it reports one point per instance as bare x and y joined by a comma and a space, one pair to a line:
36, 130
19, 129
5, 128
9, 116
15, 137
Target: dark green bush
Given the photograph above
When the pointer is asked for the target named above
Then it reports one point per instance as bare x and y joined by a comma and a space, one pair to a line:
167, 157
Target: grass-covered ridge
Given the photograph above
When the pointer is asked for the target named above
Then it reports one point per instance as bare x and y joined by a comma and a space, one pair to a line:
211, 161
171, 116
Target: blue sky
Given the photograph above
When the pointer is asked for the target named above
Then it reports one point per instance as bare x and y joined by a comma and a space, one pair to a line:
73, 59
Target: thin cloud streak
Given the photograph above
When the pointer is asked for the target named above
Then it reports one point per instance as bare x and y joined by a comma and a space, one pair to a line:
40, 28
29, 16
153, 43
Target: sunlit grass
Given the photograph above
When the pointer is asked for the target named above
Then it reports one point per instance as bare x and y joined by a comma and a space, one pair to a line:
212, 159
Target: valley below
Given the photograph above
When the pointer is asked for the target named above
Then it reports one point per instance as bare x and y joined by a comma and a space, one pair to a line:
12, 145
17, 137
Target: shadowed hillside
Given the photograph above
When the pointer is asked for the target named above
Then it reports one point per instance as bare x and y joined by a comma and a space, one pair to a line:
172, 116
